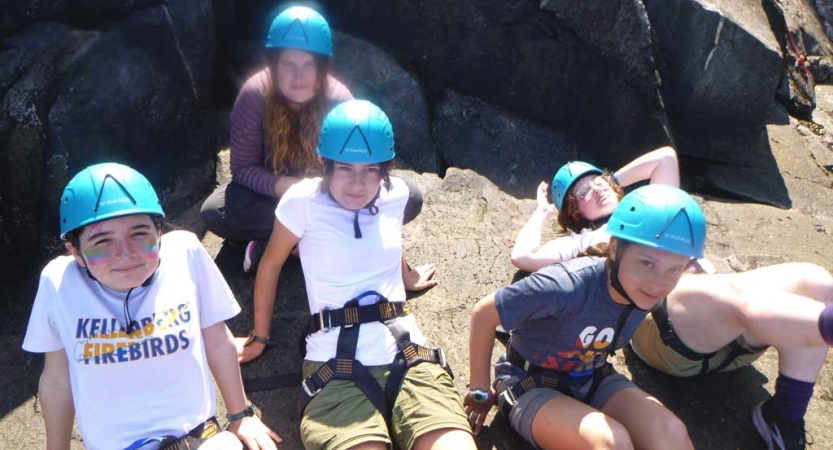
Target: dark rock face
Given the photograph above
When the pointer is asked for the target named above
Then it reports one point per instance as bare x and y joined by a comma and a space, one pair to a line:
16, 15
824, 8
129, 92
513, 153
720, 72
563, 68
374, 75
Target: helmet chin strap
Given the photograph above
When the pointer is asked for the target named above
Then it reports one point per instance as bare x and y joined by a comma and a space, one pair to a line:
598, 223
128, 328
614, 277
370, 206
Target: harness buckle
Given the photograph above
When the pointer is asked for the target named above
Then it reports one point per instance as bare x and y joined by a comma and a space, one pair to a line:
323, 312
305, 386
441, 355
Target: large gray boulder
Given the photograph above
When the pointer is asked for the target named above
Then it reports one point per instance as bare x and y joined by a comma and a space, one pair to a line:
129, 91
721, 69
513, 153
721, 64
593, 77
16, 15
372, 74
824, 8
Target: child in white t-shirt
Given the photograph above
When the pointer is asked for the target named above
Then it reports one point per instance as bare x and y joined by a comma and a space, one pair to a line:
132, 325
348, 229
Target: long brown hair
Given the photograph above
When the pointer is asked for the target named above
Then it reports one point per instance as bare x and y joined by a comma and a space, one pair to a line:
293, 135
570, 217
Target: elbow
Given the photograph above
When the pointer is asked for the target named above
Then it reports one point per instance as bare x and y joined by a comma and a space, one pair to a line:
517, 260
528, 263
668, 153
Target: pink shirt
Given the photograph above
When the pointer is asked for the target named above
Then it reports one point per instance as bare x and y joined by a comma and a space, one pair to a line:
250, 135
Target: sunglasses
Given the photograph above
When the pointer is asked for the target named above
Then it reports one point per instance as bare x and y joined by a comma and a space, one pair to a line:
584, 191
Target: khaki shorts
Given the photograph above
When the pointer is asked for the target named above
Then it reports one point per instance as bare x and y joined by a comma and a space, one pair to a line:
648, 345
340, 416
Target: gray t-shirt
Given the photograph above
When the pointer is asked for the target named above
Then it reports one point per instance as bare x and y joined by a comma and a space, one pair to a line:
563, 317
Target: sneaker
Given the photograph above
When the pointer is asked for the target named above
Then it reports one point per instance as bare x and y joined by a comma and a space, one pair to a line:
778, 434
251, 258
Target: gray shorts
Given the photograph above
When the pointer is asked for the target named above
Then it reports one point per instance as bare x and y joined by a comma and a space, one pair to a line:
527, 406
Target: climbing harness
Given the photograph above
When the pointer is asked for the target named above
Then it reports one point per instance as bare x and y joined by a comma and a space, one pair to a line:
669, 337
344, 365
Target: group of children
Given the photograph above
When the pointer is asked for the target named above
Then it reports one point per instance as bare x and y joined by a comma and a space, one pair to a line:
132, 320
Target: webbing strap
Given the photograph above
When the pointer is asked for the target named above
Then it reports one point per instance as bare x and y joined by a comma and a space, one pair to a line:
669, 336
345, 366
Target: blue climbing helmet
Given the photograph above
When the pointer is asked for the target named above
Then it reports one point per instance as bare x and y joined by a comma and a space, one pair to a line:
301, 28
356, 131
566, 177
662, 217
105, 191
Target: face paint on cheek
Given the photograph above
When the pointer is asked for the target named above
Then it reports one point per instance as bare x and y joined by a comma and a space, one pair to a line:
95, 257
151, 247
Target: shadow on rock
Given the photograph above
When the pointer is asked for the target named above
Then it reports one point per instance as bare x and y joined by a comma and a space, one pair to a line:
716, 408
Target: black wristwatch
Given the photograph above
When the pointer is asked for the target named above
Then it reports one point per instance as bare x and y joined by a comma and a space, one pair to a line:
254, 337
249, 411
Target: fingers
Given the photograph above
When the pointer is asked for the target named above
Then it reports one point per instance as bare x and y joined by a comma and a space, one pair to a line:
251, 443
258, 436
251, 352
476, 420
275, 436
265, 442
426, 271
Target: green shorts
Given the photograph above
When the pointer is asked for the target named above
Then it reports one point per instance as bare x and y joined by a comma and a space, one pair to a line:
340, 416
648, 345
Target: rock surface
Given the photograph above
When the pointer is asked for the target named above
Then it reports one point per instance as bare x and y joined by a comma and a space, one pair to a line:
588, 72
511, 152
467, 228
374, 75
132, 91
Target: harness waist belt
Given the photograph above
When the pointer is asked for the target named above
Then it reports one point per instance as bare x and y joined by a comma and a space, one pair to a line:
328, 319
345, 366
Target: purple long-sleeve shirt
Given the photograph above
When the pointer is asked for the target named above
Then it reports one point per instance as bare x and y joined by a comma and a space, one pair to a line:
250, 135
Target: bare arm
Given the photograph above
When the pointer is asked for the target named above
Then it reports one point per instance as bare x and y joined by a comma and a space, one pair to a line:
280, 245
222, 359
659, 166
283, 183
527, 252
55, 396
484, 320
247, 154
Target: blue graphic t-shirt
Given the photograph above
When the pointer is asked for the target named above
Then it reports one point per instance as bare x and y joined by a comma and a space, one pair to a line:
563, 317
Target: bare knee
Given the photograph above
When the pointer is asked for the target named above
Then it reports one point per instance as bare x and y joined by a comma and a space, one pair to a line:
445, 439
669, 432
820, 283
613, 436
620, 439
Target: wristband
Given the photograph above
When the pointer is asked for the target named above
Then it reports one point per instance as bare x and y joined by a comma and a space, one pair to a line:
254, 337
249, 411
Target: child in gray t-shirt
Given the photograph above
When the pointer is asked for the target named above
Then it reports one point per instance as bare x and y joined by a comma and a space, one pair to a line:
554, 384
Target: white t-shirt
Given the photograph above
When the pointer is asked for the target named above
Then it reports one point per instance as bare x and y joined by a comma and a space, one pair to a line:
153, 382
570, 246
338, 267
